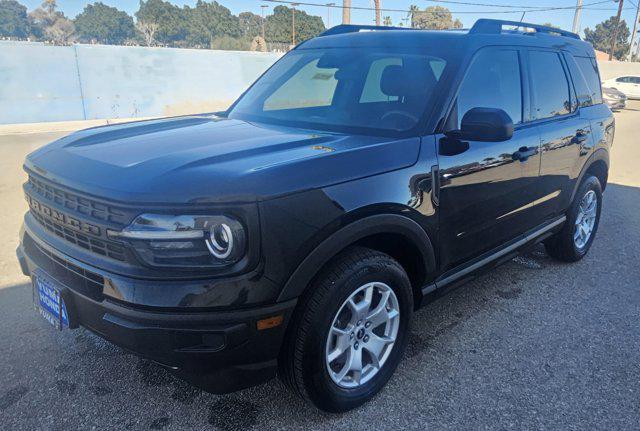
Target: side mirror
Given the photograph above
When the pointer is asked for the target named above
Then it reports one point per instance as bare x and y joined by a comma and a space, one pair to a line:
485, 125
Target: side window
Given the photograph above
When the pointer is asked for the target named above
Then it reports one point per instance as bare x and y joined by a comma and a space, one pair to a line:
624, 79
309, 87
492, 81
583, 92
550, 93
589, 69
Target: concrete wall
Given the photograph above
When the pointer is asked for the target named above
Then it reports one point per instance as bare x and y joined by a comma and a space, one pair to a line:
52, 83
42, 83
613, 69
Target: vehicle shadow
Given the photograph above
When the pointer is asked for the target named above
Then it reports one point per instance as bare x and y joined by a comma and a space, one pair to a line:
44, 366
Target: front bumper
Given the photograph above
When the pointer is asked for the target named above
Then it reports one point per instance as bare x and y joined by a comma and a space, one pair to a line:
219, 351
616, 103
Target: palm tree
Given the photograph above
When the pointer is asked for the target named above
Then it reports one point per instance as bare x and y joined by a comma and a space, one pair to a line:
412, 9
346, 11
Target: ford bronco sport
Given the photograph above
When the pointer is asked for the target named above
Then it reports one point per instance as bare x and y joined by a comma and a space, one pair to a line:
365, 173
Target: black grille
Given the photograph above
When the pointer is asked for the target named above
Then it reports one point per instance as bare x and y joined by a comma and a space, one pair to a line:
98, 246
74, 218
85, 282
76, 203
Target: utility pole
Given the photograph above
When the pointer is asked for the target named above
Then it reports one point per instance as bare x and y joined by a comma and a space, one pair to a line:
614, 35
576, 17
377, 6
346, 11
329, 6
633, 33
262, 8
293, 23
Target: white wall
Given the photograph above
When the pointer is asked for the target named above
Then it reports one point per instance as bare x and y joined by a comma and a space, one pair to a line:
613, 69
52, 83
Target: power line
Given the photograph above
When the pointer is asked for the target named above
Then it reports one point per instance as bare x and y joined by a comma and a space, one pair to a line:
458, 2
528, 10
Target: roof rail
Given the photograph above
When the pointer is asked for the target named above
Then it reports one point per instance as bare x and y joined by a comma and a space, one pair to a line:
494, 26
354, 28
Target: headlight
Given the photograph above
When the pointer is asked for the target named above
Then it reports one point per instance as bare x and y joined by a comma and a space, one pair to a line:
187, 241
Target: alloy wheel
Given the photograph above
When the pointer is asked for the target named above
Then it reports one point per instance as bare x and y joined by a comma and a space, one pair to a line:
362, 335
586, 219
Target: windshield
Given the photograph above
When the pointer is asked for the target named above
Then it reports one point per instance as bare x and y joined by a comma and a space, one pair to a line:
348, 90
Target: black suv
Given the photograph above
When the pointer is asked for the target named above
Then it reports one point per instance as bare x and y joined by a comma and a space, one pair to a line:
365, 173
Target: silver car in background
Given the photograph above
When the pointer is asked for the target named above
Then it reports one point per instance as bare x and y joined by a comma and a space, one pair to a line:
615, 99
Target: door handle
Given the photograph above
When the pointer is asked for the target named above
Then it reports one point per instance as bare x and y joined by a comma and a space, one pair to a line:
524, 153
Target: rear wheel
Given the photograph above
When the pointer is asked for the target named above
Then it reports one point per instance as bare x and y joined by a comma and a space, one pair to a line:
349, 332
574, 240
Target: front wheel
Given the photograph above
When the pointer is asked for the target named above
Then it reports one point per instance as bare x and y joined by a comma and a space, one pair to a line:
350, 331
574, 240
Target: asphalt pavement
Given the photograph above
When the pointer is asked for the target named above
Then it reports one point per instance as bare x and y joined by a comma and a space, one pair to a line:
534, 344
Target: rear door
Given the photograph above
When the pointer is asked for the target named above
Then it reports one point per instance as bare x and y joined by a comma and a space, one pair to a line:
487, 187
565, 133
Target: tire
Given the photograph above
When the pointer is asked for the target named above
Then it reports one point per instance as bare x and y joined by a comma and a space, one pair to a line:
563, 245
303, 360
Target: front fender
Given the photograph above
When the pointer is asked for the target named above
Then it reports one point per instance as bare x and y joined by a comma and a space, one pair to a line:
351, 233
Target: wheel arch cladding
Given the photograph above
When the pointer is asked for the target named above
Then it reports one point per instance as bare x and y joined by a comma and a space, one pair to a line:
600, 169
396, 235
598, 166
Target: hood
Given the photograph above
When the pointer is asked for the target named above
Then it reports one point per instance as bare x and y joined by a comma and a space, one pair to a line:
206, 159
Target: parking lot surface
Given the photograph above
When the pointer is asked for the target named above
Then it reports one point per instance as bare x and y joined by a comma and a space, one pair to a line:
534, 344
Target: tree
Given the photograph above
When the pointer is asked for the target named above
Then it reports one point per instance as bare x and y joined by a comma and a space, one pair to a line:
171, 21
250, 24
387, 21
104, 24
229, 43
209, 21
13, 19
148, 31
346, 11
412, 10
434, 18
376, 4
258, 44
278, 27
50, 24
600, 38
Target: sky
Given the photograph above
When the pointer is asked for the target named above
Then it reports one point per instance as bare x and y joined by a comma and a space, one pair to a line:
468, 14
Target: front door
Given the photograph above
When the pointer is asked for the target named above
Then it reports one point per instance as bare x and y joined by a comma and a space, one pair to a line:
487, 188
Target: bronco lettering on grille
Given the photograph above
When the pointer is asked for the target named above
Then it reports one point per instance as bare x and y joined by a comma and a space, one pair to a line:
63, 218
